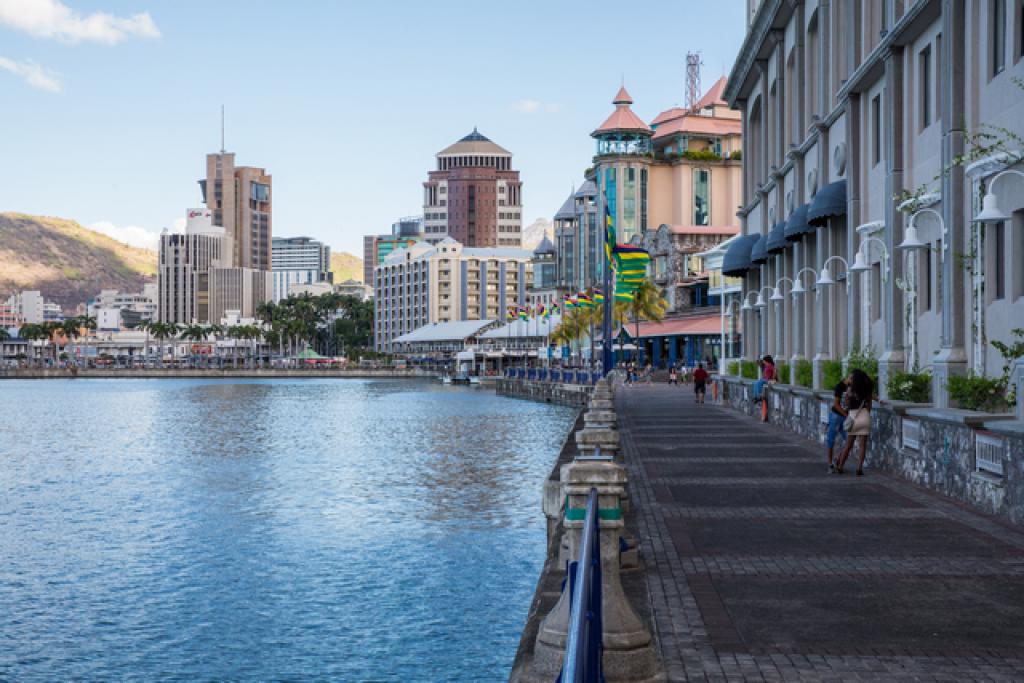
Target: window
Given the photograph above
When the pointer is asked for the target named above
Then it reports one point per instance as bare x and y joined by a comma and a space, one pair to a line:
643, 200
998, 36
999, 261
876, 129
925, 98
701, 197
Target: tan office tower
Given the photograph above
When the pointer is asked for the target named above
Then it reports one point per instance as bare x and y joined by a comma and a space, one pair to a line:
241, 202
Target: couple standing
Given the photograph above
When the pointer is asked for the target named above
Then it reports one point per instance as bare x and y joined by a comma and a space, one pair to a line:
850, 419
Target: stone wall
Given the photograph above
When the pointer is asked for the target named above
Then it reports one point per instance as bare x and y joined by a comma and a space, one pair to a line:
935, 448
546, 392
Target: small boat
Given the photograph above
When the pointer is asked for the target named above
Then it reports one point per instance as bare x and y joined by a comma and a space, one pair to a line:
461, 378
446, 379
474, 379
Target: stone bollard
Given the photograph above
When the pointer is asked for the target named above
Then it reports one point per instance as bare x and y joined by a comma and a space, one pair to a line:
628, 652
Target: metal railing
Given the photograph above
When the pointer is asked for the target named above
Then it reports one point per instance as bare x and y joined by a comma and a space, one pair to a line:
583, 648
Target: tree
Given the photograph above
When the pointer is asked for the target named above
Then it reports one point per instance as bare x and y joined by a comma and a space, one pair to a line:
647, 304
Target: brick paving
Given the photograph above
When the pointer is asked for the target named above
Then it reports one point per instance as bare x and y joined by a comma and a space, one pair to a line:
762, 567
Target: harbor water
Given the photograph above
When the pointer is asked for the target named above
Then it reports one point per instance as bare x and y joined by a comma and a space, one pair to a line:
348, 530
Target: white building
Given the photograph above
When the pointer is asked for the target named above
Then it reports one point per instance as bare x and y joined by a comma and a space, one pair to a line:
116, 310
28, 306
446, 282
848, 107
299, 261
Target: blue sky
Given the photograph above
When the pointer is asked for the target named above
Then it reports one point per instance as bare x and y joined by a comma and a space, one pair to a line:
109, 107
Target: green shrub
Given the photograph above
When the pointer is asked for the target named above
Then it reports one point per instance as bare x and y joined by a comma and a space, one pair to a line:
749, 370
737, 154
832, 372
701, 155
910, 386
783, 372
733, 368
976, 392
805, 373
863, 359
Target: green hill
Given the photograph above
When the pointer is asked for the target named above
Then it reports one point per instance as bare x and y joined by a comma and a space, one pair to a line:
68, 263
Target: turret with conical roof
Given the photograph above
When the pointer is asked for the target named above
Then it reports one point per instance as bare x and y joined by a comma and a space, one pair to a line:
623, 132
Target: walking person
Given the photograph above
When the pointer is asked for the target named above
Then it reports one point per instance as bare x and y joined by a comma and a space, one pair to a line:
858, 421
836, 418
700, 384
673, 376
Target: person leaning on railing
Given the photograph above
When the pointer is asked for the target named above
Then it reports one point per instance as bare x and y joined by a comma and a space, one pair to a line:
768, 374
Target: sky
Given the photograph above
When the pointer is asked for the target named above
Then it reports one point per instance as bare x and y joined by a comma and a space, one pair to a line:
108, 107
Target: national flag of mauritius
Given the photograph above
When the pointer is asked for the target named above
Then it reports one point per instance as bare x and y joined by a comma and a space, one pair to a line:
583, 300
598, 296
610, 238
524, 314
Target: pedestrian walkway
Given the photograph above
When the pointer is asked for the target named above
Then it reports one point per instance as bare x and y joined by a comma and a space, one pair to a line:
761, 566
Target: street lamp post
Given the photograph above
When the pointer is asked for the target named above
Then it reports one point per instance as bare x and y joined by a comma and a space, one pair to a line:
912, 243
825, 279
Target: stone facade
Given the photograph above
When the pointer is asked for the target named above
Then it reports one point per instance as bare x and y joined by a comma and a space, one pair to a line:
932, 447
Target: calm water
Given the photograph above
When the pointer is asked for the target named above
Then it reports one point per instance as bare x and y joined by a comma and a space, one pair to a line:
196, 530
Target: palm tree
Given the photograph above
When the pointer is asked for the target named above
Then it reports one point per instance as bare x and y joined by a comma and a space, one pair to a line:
162, 332
647, 304
34, 332
197, 334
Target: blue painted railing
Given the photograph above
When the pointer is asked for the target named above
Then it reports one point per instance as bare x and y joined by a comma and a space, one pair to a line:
583, 646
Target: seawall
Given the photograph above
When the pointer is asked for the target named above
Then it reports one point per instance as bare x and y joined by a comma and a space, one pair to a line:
205, 373
546, 392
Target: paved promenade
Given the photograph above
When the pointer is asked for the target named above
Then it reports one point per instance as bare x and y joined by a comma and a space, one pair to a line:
761, 566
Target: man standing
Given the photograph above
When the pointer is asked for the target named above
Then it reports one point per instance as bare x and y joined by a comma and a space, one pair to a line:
700, 383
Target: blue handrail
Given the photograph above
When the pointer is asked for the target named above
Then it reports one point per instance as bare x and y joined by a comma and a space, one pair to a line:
583, 647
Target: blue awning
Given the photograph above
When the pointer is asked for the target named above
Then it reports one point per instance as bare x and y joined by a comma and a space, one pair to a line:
828, 203
759, 254
777, 238
737, 259
796, 226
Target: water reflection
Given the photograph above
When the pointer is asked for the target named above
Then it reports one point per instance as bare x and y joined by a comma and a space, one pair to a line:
356, 530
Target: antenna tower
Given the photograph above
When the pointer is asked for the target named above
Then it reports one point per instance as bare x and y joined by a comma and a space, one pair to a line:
692, 79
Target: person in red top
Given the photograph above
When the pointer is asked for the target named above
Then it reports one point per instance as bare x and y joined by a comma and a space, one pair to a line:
700, 382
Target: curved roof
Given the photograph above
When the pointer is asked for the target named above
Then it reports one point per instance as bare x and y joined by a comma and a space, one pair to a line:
705, 125
777, 238
568, 209
456, 330
474, 143
587, 189
796, 226
623, 118
759, 252
714, 95
830, 201
545, 246
737, 259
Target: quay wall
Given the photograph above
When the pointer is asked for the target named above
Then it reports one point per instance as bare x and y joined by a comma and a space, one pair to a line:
974, 458
546, 392
180, 373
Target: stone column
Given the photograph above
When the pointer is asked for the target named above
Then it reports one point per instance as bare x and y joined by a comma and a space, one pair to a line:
628, 654
952, 358
893, 358
854, 338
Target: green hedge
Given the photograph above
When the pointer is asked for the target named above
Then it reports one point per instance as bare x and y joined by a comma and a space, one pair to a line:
831, 373
701, 155
863, 359
910, 386
749, 370
975, 392
783, 372
733, 368
805, 373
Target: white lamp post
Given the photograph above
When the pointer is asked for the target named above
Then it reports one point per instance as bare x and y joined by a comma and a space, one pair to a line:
990, 211
825, 276
913, 244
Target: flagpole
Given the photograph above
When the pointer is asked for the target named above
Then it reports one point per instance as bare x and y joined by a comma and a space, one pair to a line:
609, 294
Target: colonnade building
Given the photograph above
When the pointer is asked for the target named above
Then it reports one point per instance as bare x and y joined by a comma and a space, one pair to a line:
861, 167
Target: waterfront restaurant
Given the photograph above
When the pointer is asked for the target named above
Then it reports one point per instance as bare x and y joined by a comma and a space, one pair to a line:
684, 341
440, 342
873, 217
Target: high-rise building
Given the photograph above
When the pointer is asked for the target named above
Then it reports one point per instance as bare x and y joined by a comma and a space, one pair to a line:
241, 202
299, 260
474, 196
444, 282
183, 269
579, 241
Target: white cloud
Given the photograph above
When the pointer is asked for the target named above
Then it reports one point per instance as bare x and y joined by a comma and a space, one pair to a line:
527, 106
53, 19
132, 235
535, 106
34, 74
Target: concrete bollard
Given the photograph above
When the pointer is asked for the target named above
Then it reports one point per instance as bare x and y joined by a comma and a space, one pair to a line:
628, 652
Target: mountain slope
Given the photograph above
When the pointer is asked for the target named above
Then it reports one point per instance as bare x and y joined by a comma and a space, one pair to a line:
68, 263
345, 266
